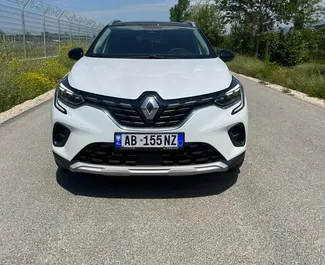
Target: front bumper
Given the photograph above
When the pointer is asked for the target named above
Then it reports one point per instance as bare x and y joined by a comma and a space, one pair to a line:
89, 125
79, 167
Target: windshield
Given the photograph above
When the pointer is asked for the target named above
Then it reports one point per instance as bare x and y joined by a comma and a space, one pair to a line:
151, 42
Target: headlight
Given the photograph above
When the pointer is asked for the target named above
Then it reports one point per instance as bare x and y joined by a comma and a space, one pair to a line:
67, 96
232, 96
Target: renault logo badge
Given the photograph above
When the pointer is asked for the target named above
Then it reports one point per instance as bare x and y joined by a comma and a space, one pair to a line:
150, 108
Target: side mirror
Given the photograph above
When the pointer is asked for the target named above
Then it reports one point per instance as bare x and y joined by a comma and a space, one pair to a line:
226, 55
76, 53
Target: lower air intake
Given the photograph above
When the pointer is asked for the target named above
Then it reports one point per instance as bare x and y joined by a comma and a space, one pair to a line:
106, 154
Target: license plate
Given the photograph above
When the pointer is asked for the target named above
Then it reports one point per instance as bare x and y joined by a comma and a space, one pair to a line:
134, 140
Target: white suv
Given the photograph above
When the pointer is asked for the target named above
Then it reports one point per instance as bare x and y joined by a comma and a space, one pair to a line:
149, 98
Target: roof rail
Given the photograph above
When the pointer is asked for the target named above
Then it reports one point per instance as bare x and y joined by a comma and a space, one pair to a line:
191, 23
115, 22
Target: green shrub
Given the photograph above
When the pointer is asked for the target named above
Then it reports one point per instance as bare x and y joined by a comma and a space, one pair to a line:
54, 69
287, 49
308, 78
31, 85
22, 80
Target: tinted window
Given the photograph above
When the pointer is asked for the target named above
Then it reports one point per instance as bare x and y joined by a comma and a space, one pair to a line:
142, 41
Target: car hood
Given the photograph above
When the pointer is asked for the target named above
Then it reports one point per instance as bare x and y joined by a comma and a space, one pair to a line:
170, 78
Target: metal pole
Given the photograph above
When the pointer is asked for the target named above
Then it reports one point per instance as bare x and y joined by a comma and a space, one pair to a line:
24, 27
44, 33
70, 16
79, 31
58, 13
86, 28
59, 23
87, 33
70, 33
24, 32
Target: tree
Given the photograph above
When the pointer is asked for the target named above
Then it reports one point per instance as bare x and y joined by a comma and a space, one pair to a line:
256, 16
209, 19
180, 11
287, 49
303, 12
259, 17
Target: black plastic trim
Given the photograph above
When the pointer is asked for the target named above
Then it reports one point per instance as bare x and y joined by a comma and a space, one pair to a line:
233, 163
61, 144
233, 140
107, 154
60, 161
237, 161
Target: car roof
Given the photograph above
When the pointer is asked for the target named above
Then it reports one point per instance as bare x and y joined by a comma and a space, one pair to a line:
153, 23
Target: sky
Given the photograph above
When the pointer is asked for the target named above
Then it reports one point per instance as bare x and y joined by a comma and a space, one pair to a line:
105, 11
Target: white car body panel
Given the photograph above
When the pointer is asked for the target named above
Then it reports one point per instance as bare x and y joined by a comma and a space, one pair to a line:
170, 78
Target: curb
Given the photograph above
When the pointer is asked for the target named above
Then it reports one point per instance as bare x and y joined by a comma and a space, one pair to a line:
302, 96
27, 105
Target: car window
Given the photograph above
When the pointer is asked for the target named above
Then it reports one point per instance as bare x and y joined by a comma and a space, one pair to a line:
101, 43
134, 41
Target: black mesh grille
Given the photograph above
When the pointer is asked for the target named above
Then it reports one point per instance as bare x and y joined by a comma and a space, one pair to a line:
175, 113
106, 154
170, 113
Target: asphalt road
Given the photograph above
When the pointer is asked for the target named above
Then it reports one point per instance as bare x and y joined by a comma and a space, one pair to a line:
272, 213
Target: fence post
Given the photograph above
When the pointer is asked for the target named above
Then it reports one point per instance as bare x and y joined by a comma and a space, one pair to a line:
48, 10
70, 16
44, 32
59, 24
93, 32
70, 31
79, 20
95, 24
86, 28
58, 13
24, 26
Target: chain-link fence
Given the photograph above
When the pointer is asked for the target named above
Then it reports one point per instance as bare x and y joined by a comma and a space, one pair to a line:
33, 29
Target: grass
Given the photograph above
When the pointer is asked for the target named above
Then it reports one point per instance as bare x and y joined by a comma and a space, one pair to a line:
308, 77
21, 80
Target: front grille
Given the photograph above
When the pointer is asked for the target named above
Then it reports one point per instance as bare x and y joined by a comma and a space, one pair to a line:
170, 113
106, 154
175, 113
